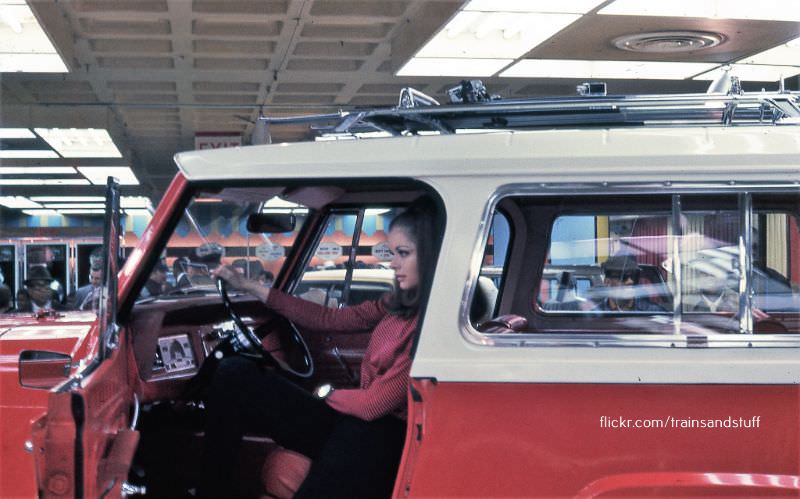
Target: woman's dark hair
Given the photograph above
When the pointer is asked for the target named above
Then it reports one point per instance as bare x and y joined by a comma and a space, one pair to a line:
419, 223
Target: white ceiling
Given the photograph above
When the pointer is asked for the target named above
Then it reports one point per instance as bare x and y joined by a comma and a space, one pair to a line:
156, 72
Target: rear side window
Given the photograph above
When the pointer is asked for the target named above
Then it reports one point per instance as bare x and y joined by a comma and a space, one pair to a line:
674, 264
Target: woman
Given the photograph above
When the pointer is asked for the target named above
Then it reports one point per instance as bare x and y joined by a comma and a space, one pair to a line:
353, 436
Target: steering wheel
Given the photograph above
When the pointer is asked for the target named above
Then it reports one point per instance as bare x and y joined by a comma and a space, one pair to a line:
245, 341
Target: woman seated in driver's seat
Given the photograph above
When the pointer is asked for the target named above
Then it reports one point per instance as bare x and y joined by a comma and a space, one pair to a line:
353, 436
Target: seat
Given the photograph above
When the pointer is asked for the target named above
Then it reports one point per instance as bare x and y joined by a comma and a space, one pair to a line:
283, 472
504, 324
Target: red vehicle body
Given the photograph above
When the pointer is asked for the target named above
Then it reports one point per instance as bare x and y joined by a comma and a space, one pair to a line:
523, 383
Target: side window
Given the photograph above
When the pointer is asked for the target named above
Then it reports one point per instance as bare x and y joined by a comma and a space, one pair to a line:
667, 264
324, 278
606, 263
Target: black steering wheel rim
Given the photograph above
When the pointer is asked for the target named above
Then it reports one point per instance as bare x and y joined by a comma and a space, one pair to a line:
245, 340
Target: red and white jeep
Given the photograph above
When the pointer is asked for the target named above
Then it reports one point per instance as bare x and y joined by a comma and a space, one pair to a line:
615, 308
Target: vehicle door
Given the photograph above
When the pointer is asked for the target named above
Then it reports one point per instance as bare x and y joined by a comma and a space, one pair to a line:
84, 444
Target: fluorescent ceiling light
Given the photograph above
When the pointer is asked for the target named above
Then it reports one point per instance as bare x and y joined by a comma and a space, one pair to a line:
98, 175
83, 206
36, 170
135, 202
16, 133
559, 6
452, 67
769, 10
487, 35
26, 153
18, 202
81, 212
787, 54
80, 142
46, 181
24, 46
136, 212
562, 68
42, 213
69, 199
494, 35
753, 72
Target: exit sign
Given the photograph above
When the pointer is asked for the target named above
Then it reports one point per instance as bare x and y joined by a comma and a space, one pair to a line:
214, 140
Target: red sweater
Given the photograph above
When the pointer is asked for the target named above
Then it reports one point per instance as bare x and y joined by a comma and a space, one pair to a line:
387, 360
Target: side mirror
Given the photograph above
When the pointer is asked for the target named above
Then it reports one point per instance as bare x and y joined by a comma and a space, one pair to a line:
269, 223
42, 369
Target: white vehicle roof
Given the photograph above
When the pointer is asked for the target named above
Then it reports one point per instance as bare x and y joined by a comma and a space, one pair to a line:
622, 154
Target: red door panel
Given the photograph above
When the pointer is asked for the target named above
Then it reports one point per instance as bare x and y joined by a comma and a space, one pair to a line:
506, 439
89, 446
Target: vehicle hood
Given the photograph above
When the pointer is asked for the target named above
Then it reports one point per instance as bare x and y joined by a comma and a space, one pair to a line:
23, 331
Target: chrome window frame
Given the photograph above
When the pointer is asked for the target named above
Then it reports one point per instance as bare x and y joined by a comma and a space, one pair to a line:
743, 339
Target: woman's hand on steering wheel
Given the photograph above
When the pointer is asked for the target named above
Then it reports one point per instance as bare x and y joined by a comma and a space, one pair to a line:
236, 280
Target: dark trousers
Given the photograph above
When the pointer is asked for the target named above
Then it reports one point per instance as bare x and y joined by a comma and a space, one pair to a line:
350, 457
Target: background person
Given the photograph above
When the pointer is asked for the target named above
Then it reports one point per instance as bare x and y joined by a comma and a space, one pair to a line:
157, 282
621, 281
5, 298
40, 294
353, 436
88, 297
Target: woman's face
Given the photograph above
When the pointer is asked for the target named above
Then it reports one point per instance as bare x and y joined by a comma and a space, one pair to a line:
404, 259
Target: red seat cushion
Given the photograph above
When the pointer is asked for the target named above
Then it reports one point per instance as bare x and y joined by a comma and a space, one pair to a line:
283, 472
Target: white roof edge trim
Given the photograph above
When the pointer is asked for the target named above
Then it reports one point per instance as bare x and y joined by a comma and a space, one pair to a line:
567, 153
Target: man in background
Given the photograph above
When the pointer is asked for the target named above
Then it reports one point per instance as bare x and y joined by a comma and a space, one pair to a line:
88, 297
37, 286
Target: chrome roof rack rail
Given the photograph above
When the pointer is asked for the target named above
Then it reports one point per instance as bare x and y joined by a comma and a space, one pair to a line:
418, 113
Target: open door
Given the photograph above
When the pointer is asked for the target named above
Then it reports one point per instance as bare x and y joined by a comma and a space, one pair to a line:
85, 443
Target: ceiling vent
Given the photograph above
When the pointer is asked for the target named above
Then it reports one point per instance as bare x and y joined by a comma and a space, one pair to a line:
668, 42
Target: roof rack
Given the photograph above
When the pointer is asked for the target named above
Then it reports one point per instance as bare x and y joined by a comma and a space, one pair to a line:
417, 113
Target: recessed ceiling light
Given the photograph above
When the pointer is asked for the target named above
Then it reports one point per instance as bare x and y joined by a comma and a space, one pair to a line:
558, 6
24, 46
768, 10
83, 206
16, 133
135, 202
18, 202
562, 68
69, 199
36, 170
494, 35
81, 212
487, 35
80, 142
753, 72
787, 54
42, 213
27, 153
98, 175
419, 66
138, 212
46, 181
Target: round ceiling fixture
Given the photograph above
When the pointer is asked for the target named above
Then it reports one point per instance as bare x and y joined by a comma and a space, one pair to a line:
668, 42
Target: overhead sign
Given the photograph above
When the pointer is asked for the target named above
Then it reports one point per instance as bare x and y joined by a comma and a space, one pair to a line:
329, 251
269, 252
217, 140
382, 252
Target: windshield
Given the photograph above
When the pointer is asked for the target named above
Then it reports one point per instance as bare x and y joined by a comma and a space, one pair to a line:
213, 231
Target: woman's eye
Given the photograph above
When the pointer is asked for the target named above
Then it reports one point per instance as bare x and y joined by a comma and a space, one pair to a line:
403, 253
